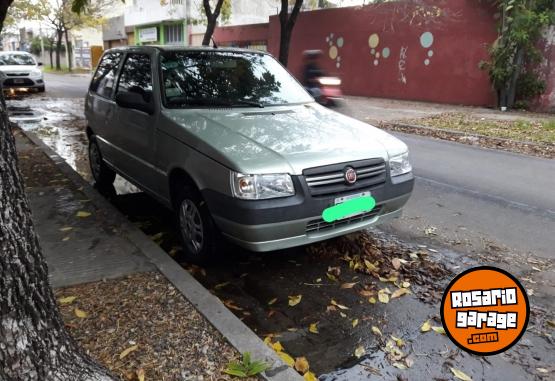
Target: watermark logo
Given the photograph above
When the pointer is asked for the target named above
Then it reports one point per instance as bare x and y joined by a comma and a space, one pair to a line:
485, 310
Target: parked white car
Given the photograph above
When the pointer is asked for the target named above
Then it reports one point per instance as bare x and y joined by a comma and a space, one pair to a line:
21, 70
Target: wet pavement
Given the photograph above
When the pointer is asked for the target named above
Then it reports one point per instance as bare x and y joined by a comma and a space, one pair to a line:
339, 282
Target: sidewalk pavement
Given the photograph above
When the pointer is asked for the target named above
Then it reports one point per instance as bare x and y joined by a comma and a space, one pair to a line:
379, 110
85, 239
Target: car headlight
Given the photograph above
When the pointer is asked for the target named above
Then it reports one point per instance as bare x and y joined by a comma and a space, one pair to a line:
35, 73
400, 164
259, 187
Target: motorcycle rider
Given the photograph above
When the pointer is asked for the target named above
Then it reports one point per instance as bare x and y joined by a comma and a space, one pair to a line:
311, 72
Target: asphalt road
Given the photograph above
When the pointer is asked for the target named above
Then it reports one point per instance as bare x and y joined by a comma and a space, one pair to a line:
473, 197
66, 85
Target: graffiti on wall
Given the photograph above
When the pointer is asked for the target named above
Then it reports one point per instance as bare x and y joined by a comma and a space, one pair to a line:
426, 41
402, 64
375, 52
335, 44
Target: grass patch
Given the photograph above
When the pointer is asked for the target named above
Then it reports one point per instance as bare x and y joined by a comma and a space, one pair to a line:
64, 70
538, 131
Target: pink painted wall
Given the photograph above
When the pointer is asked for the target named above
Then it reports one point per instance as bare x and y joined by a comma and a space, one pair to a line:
397, 50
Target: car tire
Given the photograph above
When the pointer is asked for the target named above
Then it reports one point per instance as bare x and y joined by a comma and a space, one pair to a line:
41, 89
198, 232
102, 174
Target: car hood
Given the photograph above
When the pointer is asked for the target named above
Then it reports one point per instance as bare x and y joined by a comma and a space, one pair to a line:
17, 68
280, 139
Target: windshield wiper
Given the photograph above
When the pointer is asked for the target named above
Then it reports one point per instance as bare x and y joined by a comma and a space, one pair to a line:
247, 102
212, 102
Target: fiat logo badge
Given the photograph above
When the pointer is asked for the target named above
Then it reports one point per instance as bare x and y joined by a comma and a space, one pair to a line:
350, 175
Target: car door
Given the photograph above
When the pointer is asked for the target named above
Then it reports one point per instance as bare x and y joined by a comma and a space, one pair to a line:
136, 128
101, 107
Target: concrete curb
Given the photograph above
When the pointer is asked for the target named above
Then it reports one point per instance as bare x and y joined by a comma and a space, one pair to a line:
502, 142
241, 337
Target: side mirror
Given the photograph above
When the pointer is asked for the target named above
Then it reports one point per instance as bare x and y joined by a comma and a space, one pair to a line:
129, 99
39, 64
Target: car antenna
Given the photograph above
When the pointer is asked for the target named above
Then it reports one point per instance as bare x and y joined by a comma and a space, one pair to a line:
214, 43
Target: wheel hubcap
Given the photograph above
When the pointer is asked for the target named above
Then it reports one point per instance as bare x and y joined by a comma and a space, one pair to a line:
191, 225
95, 160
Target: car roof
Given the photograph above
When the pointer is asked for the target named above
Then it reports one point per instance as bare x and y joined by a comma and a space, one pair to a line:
175, 48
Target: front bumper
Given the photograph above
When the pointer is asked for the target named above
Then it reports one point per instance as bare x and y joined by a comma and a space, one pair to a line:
267, 225
22, 83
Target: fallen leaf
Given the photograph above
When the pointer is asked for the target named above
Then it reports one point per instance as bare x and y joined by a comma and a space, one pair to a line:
383, 297
286, 358
359, 351
292, 329
409, 361
268, 340
82, 214
399, 292
439, 330
301, 365
399, 365
272, 301
400, 343
372, 300
355, 323
331, 277
67, 300
309, 376
542, 370
426, 326
231, 304
80, 313
551, 323
376, 331
366, 293
313, 328
405, 284
220, 285
342, 314
65, 229
396, 263
277, 346
141, 375
370, 266
340, 306
127, 351
430, 231
294, 300
460, 375
348, 285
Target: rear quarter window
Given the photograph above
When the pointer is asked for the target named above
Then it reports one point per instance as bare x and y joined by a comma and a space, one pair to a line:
104, 80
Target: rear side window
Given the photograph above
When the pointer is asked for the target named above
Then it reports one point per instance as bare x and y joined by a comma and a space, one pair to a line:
103, 82
136, 76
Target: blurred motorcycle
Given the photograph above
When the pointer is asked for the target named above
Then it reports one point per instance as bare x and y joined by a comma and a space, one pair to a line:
326, 90
330, 91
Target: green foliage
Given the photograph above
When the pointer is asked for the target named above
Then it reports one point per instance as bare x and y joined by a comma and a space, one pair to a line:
246, 367
515, 50
225, 12
529, 85
549, 125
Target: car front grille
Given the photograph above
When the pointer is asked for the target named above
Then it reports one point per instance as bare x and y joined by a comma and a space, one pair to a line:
316, 226
21, 82
17, 74
330, 179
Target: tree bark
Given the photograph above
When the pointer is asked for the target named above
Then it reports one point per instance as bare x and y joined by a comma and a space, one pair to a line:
59, 35
68, 50
212, 19
35, 344
287, 22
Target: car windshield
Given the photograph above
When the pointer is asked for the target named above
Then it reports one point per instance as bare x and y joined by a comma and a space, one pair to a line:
232, 79
16, 59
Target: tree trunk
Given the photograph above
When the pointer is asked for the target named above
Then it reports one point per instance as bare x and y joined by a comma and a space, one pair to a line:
68, 50
35, 344
287, 22
519, 63
209, 31
211, 20
59, 35
4, 5
51, 51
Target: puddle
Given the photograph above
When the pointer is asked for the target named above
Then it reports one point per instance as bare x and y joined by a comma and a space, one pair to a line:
246, 282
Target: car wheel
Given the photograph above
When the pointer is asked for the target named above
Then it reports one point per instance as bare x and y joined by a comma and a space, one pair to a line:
41, 89
102, 174
197, 230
